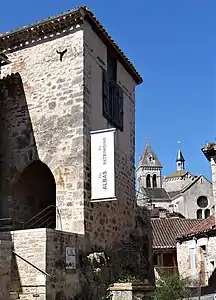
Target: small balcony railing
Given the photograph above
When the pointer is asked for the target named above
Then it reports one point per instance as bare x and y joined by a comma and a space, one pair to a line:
44, 219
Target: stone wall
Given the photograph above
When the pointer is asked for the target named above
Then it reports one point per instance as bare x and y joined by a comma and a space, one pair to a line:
130, 291
25, 279
176, 183
207, 268
111, 221
5, 268
186, 204
38, 251
63, 282
213, 169
43, 251
43, 119
183, 258
210, 152
201, 188
54, 106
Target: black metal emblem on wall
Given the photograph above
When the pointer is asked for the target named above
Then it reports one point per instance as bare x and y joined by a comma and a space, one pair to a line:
61, 53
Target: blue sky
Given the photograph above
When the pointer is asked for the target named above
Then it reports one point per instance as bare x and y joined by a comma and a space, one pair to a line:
172, 44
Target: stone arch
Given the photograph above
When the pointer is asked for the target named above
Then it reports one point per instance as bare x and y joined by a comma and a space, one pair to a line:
207, 213
154, 181
199, 213
32, 192
148, 181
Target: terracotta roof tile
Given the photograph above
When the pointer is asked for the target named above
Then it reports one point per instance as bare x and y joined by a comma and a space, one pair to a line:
166, 230
205, 226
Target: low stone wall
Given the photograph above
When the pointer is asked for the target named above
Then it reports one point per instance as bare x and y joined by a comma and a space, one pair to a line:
57, 265
30, 247
39, 266
62, 263
5, 268
129, 291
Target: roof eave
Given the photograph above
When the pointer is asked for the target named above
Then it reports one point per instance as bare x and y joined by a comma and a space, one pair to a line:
98, 28
163, 247
80, 14
196, 235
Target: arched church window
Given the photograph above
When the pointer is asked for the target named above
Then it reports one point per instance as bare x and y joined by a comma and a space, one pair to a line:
207, 213
202, 202
199, 213
154, 181
148, 181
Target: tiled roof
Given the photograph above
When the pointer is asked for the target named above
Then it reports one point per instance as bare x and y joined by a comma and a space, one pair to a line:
173, 193
166, 230
205, 226
179, 173
157, 193
60, 23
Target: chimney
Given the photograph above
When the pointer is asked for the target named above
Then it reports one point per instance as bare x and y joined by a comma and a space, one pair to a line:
162, 214
210, 152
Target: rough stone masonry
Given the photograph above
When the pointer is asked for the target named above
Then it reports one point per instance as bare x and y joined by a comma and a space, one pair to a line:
49, 104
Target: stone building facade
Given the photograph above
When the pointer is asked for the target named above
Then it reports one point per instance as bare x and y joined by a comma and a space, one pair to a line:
181, 192
196, 247
196, 254
57, 78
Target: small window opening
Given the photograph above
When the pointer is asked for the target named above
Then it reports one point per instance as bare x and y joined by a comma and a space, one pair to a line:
154, 181
207, 213
199, 214
148, 181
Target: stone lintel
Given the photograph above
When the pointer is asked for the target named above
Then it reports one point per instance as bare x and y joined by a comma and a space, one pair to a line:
131, 287
209, 150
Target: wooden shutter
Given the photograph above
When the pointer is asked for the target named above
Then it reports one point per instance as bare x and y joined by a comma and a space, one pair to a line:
121, 108
105, 95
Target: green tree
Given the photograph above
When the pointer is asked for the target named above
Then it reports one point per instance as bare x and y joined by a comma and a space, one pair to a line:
172, 287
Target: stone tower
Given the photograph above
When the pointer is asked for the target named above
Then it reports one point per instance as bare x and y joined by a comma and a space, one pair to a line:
62, 78
149, 169
180, 161
53, 94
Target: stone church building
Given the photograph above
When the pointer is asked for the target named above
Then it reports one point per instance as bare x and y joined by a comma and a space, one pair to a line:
62, 78
180, 192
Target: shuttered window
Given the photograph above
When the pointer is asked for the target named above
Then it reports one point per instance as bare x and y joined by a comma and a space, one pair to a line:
113, 102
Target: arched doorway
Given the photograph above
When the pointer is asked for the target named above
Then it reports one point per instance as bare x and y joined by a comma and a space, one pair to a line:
33, 193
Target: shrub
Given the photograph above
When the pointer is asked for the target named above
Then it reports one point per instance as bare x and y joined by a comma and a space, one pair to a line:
172, 287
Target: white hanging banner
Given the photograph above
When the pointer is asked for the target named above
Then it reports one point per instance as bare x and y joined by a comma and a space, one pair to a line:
103, 165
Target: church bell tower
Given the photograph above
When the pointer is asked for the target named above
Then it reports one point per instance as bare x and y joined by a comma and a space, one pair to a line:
149, 169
